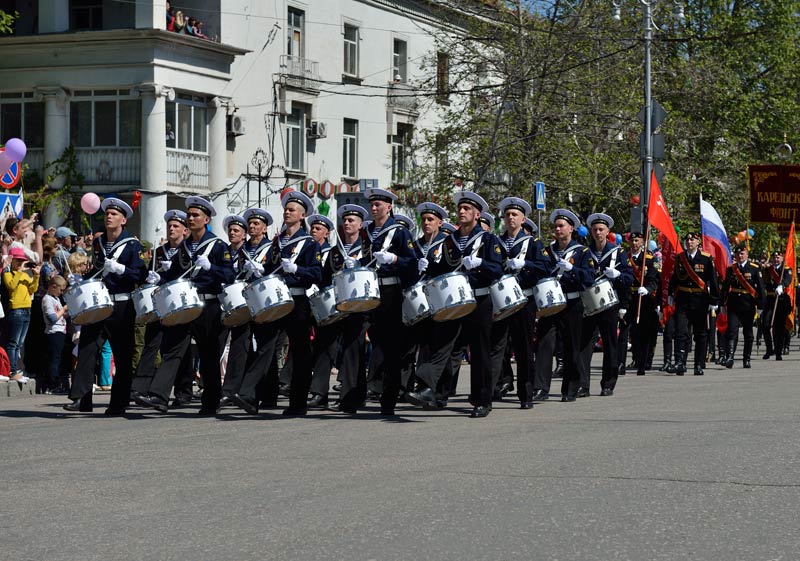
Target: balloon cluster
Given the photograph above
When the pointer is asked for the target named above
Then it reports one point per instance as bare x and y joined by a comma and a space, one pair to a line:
14, 152
744, 235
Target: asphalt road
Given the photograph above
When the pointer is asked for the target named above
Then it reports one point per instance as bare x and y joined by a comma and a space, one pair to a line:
668, 468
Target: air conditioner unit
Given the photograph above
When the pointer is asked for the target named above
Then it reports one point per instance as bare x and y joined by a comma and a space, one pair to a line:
318, 129
236, 125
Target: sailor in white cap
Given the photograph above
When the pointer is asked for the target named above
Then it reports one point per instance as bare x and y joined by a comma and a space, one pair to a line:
487, 221
391, 248
574, 265
448, 228
521, 252
610, 263
206, 260
404, 221
117, 255
177, 230
294, 255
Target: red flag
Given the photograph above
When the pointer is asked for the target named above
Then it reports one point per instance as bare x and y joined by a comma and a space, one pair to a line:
667, 264
658, 215
789, 262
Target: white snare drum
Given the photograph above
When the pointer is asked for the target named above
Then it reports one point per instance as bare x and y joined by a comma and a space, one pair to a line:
599, 297
323, 306
507, 297
89, 302
356, 290
177, 302
268, 299
549, 297
415, 304
233, 305
450, 296
143, 303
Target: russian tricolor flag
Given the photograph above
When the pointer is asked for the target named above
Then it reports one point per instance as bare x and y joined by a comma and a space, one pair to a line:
715, 240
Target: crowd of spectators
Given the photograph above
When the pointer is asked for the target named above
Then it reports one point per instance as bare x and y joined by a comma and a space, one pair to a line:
178, 22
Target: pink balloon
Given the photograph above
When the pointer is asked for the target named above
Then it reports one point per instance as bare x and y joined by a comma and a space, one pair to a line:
90, 203
16, 149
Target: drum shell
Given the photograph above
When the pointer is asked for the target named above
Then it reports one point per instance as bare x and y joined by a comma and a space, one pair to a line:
144, 304
507, 297
323, 306
177, 302
89, 302
415, 304
599, 297
268, 299
357, 290
450, 296
549, 297
232, 302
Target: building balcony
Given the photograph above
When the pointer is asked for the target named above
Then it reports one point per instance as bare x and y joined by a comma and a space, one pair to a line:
402, 98
300, 73
187, 170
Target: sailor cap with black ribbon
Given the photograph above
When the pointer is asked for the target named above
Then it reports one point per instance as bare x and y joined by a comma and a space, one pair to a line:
299, 198
404, 220
515, 203
377, 194
564, 214
530, 225
472, 198
320, 219
235, 219
202, 204
258, 214
449, 228
431, 208
600, 218
113, 203
176, 215
352, 210
487, 219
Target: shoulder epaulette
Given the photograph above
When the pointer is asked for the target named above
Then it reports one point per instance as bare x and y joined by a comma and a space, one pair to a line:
648, 255
705, 253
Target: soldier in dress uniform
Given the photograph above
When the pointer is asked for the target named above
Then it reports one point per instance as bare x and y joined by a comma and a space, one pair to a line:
777, 279
177, 231
646, 293
696, 293
296, 256
117, 255
609, 262
208, 259
743, 294
575, 273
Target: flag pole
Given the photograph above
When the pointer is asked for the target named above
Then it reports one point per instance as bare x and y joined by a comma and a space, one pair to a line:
644, 267
780, 281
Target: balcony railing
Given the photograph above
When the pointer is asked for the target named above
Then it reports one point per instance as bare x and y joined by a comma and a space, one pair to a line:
300, 72
187, 170
109, 166
400, 96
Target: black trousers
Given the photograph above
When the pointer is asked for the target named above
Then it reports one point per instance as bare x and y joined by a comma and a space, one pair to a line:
606, 323
741, 313
146, 368
326, 349
238, 351
387, 334
118, 331
776, 335
517, 330
565, 326
642, 335
697, 318
444, 336
208, 332
297, 325
352, 360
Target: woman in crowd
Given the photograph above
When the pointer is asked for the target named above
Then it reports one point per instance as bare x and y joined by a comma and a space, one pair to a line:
21, 281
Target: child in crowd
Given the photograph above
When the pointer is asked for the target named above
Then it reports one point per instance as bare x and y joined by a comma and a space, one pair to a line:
55, 320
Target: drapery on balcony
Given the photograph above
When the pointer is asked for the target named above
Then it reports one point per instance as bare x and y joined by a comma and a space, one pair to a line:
300, 72
187, 170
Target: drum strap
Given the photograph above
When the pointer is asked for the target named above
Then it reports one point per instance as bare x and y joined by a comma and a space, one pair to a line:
325, 252
261, 254
478, 239
117, 249
204, 249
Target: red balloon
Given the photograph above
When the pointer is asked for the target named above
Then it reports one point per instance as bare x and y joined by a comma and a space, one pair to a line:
612, 237
635, 200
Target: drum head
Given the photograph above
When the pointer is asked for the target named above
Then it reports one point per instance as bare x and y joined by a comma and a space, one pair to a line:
454, 312
93, 315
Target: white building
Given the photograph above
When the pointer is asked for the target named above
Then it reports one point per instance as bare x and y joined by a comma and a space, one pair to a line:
317, 92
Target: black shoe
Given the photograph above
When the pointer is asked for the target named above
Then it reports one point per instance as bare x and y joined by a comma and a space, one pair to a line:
778, 357
226, 401
153, 402
526, 404
680, 369
373, 396
283, 389
114, 412
480, 411
729, 362
75, 407
640, 372
387, 412
294, 412
698, 371
671, 368
621, 370
208, 412
559, 370
504, 388
663, 367
607, 392
540, 395
425, 398
582, 392
567, 398
317, 401
250, 407
347, 410
337, 387
746, 363
767, 355
269, 404
179, 403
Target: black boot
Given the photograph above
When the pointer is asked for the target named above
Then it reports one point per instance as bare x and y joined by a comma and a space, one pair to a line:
559, 369
731, 352
748, 349
667, 363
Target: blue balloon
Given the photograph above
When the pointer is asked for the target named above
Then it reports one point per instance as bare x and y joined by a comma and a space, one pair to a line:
651, 245
751, 232
619, 238
582, 231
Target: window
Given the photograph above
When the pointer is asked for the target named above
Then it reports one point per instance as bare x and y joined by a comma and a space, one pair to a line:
295, 33
86, 14
350, 50
22, 117
401, 154
399, 59
350, 148
295, 147
105, 118
442, 78
187, 123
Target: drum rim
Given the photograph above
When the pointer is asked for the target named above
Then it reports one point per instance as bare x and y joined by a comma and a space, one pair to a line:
354, 269
175, 282
450, 274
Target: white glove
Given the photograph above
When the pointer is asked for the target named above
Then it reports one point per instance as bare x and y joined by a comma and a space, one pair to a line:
471, 262
713, 308
779, 289
288, 266
349, 262
202, 262
165, 265
642, 291
660, 314
256, 268
72, 278
517, 263
622, 312
113, 266
611, 273
153, 278
670, 301
422, 264
564, 265
385, 257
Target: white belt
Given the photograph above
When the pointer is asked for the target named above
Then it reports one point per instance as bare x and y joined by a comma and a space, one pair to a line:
297, 291
386, 281
481, 291
121, 297
207, 296
527, 291
573, 295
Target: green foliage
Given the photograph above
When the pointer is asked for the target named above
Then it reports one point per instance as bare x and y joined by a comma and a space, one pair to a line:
40, 192
7, 20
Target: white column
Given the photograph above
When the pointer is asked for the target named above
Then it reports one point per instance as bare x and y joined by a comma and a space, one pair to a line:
56, 140
154, 131
218, 158
152, 209
53, 16
151, 14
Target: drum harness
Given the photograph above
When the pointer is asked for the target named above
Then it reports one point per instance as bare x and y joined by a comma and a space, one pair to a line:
301, 241
206, 248
525, 241
387, 241
567, 254
113, 253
